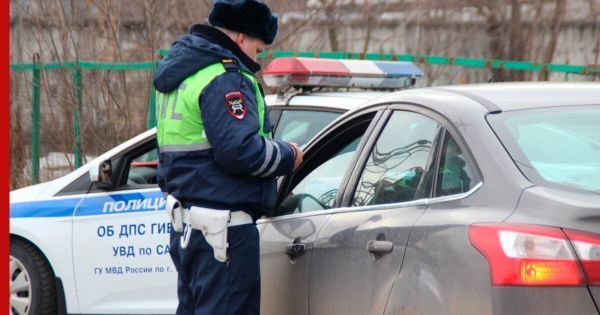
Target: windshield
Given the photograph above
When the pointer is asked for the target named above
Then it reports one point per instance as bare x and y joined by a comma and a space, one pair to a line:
554, 145
299, 126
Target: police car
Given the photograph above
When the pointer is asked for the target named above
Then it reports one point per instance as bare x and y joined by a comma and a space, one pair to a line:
96, 240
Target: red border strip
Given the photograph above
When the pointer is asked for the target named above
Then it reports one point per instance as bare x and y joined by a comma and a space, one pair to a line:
4, 140
145, 164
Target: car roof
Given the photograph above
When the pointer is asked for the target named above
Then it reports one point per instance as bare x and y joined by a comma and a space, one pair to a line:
526, 95
455, 101
495, 97
334, 100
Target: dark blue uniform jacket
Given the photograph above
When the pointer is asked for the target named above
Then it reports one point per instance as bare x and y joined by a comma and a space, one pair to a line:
239, 172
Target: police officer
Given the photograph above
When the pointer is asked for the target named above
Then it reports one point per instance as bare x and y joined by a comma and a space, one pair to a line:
216, 152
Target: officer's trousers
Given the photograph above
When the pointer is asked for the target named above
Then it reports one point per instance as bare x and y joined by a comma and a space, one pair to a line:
206, 286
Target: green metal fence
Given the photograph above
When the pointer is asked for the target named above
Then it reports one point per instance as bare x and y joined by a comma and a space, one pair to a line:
78, 66
439, 60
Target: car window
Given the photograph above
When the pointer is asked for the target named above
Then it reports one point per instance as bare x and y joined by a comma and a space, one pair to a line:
299, 126
557, 146
395, 167
455, 175
142, 168
316, 184
319, 189
81, 185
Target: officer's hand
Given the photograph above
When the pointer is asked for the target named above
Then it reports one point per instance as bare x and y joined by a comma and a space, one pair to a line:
298, 153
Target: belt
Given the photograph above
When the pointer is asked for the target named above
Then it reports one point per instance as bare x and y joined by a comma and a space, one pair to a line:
212, 223
235, 218
180, 216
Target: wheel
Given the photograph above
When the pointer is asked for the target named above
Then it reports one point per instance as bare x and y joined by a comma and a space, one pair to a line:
32, 285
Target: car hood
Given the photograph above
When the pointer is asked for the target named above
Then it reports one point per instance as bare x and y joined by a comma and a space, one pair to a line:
31, 192
49, 189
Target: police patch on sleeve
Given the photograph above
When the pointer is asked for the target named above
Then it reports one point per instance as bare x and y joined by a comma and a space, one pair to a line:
235, 104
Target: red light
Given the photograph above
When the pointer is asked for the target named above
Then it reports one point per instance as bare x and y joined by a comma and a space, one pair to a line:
293, 71
526, 255
592, 270
306, 66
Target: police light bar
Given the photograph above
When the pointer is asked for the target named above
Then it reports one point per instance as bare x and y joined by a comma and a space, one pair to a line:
317, 72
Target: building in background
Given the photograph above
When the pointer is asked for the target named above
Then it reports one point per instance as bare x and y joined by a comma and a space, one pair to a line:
115, 103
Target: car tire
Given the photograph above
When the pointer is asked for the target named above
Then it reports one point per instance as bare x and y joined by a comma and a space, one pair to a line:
32, 282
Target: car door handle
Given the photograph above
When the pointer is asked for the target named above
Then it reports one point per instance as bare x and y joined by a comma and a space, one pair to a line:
379, 247
294, 250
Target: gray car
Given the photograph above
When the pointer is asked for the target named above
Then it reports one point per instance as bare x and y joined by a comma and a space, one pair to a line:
481, 199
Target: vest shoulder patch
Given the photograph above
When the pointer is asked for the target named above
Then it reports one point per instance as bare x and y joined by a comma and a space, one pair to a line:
234, 100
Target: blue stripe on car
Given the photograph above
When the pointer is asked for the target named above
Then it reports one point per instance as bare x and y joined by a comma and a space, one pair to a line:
90, 205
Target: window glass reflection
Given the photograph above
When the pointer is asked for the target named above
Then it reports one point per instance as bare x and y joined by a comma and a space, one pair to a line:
397, 162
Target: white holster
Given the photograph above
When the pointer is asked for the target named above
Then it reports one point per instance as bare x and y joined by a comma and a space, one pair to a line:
175, 212
212, 223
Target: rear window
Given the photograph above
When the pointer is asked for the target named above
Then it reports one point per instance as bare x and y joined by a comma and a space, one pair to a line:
557, 146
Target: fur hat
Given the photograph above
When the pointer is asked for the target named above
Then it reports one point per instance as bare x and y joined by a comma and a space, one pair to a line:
245, 16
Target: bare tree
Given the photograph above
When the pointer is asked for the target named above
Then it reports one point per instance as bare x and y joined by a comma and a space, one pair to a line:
115, 103
559, 13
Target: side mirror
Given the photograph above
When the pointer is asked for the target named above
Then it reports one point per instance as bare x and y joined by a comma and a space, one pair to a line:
101, 174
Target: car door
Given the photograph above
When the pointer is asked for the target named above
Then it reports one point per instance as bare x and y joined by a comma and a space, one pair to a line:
305, 202
120, 241
440, 266
360, 249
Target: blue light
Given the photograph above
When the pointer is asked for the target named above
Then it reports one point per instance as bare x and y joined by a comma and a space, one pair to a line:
399, 69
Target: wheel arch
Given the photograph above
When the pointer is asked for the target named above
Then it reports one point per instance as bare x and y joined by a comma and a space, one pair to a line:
60, 292
33, 244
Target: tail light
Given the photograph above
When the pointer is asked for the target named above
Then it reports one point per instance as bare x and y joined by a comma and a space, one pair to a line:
530, 255
587, 246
